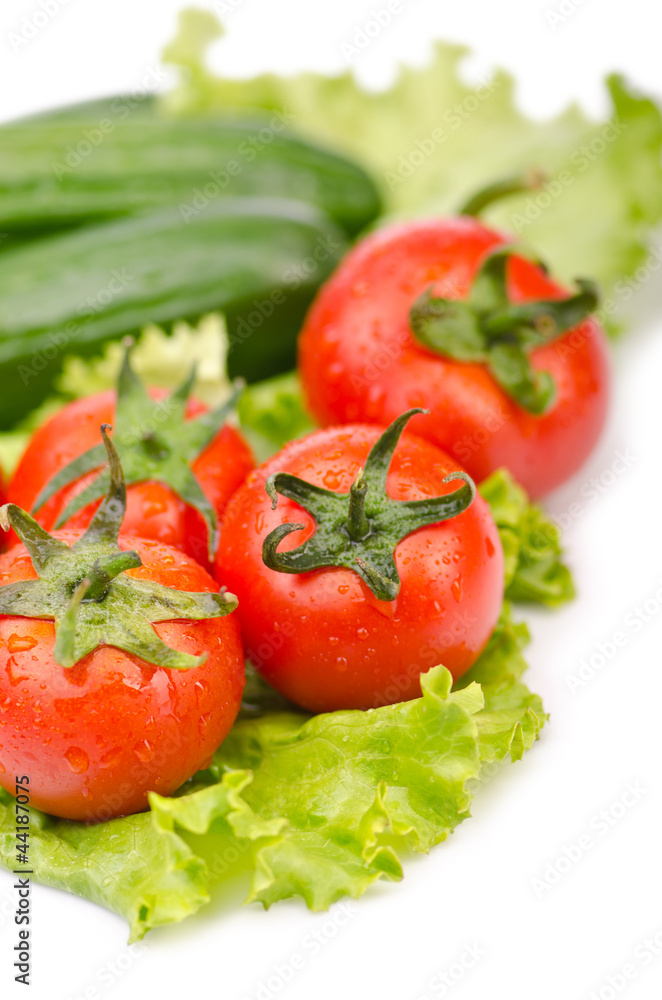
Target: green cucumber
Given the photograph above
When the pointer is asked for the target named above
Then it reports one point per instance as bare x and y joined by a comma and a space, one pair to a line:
115, 157
257, 260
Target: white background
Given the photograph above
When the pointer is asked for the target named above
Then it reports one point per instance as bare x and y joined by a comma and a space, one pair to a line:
478, 890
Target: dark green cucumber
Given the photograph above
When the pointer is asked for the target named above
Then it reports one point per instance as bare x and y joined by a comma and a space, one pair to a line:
257, 260
107, 159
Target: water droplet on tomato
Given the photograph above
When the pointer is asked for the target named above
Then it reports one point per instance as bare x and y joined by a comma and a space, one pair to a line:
3, 769
111, 757
330, 335
489, 545
333, 640
77, 760
331, 479
362, 633
341, 663
203, 723
259, 521
20, 643
456, 588
143, 750
343, 588
151, 508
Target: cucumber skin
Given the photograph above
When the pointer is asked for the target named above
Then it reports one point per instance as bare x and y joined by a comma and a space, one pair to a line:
72, 292
147, 161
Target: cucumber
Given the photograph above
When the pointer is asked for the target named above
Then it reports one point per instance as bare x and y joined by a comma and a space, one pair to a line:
106, 159
257, 260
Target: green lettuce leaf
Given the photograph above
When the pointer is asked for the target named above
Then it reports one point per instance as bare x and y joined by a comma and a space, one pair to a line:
433, 140
318, 807
272, 412
531, 544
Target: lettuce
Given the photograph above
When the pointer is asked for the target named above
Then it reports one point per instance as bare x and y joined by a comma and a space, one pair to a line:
531, 544
433, 140
318, 807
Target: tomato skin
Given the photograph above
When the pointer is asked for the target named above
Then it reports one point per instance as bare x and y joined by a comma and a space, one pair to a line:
153, 510
322, 638
359, 361
94, 739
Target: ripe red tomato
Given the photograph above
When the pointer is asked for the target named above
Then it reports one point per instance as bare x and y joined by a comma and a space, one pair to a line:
323, 638
153, 509
360, 361
97, 737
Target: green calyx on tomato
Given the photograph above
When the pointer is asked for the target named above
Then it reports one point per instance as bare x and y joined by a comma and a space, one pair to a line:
360, 529
83, 588
487, 328
155, 442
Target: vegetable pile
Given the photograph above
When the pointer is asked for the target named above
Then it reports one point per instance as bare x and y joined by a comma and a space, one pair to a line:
297, 673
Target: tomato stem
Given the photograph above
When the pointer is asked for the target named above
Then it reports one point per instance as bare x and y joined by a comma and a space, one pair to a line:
155, 442
517, 184
83, 588
358, 525
359, 530
487, 328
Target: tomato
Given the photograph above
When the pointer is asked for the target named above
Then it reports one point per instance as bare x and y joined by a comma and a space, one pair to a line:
154, 509
120, 672
322, 637
94, 739
360, 360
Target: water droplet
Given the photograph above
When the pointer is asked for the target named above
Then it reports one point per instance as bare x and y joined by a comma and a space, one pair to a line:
111, 757
489, 545
362, 633
203, 723
341, 663
143, 750
20, 643
77, 760
333, 640
343, 588
151, 508
259, 521
3, 769
456, 588
330, 335
331, 480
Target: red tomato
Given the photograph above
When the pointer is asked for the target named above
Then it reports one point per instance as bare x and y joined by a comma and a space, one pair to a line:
359, 360
322, 638
94, 739
153, 509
